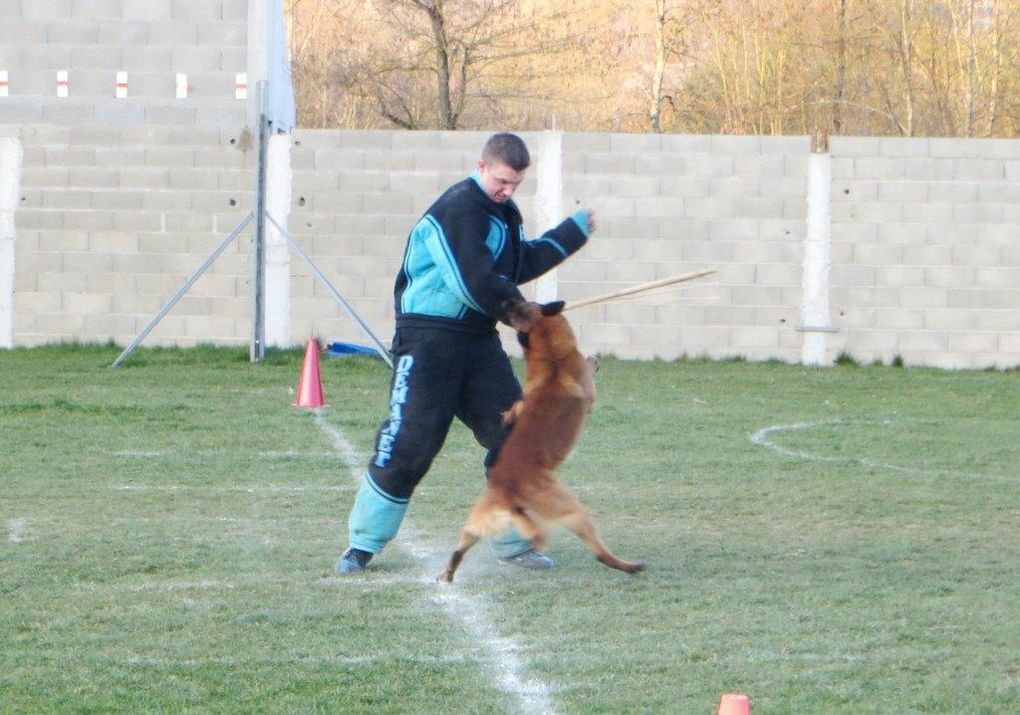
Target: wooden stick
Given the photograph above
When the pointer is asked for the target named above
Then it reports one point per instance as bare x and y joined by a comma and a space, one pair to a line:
640, 288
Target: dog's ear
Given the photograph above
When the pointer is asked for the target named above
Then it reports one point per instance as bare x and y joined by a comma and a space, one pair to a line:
554, 308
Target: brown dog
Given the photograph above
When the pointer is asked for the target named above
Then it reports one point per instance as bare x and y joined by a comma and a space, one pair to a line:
523, 491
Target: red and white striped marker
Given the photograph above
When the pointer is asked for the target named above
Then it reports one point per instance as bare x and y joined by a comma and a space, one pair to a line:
241, 86
4, 86
182, 85
62, 83
122, 85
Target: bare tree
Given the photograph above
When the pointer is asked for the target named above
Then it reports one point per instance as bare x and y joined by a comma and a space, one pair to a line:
654, 114
839, 83
674, 26
962, 16
897, 24
464, 47
910, 67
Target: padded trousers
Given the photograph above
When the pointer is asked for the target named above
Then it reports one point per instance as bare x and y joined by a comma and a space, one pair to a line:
438, 375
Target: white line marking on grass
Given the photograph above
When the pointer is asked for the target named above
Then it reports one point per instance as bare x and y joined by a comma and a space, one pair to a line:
149, 487
345, 582
269, 454
16, 530
256, 489
295, 454
469, 611
231, 662
206, 585
260, 581
762, 438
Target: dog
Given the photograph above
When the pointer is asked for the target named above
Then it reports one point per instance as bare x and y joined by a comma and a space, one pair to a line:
559, 390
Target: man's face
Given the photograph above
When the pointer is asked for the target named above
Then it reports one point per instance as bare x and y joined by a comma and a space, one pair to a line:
499, 180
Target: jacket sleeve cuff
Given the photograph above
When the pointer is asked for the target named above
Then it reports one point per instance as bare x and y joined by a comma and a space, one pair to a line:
580, 217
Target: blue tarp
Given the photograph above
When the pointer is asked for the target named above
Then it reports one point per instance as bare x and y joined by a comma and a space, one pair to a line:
345, 349
280, 103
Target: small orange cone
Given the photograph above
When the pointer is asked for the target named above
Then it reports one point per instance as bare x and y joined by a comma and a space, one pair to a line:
734, 704
310, 387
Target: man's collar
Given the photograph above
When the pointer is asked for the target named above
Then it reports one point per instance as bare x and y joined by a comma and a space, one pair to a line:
478, 180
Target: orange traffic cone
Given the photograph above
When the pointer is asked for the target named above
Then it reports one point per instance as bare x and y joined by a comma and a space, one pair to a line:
310, 387
734, 704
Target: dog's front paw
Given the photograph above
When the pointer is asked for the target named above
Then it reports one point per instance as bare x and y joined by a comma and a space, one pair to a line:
522, 314
511, 415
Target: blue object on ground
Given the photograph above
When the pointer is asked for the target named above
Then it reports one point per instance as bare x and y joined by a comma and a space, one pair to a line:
345, 349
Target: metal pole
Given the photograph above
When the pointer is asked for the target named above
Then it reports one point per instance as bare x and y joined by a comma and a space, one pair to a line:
258, 332
184, 289
379, 347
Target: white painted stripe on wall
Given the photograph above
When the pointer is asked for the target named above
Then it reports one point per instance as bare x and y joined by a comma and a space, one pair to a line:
548, 202
11, 154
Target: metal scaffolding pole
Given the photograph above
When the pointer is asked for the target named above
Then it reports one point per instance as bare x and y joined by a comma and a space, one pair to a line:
183, 289
379, 347
258, 269
260, 215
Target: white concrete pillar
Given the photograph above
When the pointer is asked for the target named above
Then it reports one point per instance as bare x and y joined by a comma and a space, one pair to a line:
549, 202
814, 309
11, 154
277, 286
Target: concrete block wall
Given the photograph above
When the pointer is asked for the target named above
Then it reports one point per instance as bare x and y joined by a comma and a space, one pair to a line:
926, 250
924, 235
669, 205
112, 221
152, 41
924, 238
121, 199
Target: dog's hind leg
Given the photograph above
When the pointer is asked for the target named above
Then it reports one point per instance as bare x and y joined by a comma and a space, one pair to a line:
572, 515
474, 528
581, 524
467, 540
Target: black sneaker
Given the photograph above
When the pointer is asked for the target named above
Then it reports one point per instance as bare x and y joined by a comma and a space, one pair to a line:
353, 560
529, 559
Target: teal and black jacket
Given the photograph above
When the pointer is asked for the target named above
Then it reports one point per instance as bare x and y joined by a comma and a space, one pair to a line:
466, 256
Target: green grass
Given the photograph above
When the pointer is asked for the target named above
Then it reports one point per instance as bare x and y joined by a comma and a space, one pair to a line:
170, 527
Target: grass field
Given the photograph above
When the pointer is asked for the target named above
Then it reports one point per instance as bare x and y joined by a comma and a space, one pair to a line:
841, 540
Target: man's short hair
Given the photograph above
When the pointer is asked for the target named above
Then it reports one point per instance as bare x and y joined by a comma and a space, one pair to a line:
508, 149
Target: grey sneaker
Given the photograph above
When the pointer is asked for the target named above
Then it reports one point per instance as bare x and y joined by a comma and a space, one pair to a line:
529, 559
352, 561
